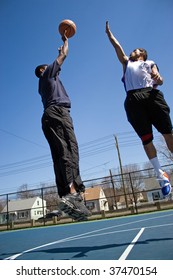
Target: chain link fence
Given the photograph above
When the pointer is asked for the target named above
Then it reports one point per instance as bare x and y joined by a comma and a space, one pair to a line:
129, 193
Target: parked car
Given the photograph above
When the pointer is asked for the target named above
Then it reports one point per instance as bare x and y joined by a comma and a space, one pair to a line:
50, 215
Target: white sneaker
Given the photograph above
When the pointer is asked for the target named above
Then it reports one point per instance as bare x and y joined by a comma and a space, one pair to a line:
164, 184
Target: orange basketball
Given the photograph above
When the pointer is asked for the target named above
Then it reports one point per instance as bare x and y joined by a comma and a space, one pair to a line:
69, 26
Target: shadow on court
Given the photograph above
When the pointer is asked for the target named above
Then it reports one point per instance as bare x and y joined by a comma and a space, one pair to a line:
82, 251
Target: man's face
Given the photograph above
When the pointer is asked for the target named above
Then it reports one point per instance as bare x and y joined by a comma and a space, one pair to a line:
135, 55
43, 68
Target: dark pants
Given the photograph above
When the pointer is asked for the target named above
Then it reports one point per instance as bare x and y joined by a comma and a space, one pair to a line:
146, 108
58, 129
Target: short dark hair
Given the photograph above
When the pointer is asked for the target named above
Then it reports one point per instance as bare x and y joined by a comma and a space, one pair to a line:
144, 52
37, 70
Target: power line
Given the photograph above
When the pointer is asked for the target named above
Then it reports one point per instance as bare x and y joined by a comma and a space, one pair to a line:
94, 147
22, 138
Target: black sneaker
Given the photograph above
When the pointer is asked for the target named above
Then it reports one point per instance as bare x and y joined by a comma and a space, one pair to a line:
73, 205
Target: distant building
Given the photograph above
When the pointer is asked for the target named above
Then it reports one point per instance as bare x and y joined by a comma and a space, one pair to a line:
95, 199
154, 190
23, 210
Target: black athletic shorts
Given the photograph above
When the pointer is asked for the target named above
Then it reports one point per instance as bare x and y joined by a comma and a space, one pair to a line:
146, 107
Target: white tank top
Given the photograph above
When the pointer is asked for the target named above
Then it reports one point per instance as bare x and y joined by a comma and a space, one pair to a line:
137, 75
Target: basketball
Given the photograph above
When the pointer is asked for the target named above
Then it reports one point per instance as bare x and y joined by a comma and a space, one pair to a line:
69, 26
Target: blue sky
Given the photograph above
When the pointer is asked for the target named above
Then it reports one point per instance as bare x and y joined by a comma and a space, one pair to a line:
91, 75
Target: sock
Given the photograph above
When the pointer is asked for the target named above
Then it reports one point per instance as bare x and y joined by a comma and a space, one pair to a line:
72, 188
155, 163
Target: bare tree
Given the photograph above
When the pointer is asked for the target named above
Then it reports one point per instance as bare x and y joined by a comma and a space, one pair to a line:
2, 204
51, 196
148, 170
24, 192
164, 153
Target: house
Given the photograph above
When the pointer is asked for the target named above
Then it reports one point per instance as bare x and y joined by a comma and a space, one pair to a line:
23, 210
95, 199
116, 198
154, 190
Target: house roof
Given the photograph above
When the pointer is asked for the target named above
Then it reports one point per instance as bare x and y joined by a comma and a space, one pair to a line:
20, 204
151, 183
92, 193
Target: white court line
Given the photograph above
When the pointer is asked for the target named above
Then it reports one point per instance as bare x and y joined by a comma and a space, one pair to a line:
81, 236
129, 248
84, 234
76, 237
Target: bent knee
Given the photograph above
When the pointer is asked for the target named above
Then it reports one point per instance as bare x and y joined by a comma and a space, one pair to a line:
147, 138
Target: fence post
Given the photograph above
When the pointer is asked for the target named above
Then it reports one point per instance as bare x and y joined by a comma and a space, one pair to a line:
158, 205
32, 223
133, 193
12, 225
42, 197
55, 220
7, 213
103, 214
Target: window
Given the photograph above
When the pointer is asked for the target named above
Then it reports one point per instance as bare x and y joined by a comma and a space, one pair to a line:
21, 215
27, 214
90, 205
156, 195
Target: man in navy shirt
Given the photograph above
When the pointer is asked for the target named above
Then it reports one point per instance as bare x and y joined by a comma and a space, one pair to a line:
58, 129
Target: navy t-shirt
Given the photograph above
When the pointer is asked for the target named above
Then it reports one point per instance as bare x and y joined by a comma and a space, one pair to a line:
51, 89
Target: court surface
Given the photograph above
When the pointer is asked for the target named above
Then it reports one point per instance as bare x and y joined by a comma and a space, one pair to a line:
137, 237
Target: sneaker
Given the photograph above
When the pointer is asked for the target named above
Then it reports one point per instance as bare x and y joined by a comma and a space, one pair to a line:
73, 205
165, 184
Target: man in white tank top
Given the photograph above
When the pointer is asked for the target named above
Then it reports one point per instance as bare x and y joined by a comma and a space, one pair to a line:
138, 74
145, 105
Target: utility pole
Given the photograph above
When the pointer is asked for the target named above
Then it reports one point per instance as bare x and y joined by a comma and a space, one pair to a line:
112, 181
121, 169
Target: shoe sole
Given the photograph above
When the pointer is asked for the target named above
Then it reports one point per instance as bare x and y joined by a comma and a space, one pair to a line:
68, 208
170, 190
167, 181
